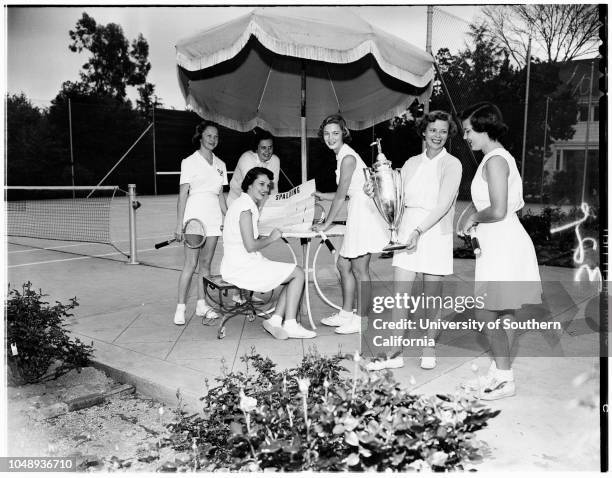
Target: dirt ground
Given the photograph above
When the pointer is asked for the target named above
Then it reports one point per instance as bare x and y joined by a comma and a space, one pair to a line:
124, 432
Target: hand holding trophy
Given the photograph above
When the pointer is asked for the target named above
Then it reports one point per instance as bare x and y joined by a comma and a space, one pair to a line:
387, 193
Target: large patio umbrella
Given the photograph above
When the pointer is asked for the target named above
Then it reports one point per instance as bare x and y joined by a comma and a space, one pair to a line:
284, 69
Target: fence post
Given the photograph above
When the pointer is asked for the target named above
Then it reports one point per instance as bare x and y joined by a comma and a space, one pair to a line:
133, 204
586, 139
71, 153
154, 156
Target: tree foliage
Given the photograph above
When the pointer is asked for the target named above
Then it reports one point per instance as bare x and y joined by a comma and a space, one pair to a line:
562, 32
114, 62
34, 154
484, 72
103, 120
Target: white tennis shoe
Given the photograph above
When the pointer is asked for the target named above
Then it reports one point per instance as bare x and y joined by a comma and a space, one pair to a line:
205, 310
376, 365
296, 331
277, 331
335, 320
179, 315
352, 326
239, 300
497, 389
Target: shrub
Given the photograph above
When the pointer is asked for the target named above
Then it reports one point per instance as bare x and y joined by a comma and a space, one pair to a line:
314, 417
552, 249
36, 332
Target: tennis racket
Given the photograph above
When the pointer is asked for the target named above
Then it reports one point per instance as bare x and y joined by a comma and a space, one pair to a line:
319, 214
194, 235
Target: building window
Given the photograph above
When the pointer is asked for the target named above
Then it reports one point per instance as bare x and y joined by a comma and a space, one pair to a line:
596, 113
558, 160
583, 113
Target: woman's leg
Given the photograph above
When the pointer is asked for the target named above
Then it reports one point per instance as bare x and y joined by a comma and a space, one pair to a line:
292, 296
363, 283
497, 337
403, 281
206, 257
432, 286
189, 267
499, 382
286, 307
294, 290
347, 283
281, 303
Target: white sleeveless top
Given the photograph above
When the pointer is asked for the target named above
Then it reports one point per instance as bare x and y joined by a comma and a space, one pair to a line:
480, 187
358, 178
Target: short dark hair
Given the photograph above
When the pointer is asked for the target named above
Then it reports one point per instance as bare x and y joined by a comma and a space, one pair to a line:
195, 139
434, 116
252, 174
259, 136
339, 120
485, 117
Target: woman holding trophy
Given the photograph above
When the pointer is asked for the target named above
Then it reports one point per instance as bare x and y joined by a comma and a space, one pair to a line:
365, 229
507, 273
430, 183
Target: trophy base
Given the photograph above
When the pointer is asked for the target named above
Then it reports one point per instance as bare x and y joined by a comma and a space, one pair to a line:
393, 247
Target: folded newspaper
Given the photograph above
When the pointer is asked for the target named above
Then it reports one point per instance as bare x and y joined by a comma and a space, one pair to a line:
291, 211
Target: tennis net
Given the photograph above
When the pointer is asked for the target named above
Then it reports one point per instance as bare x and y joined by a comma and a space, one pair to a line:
60, 213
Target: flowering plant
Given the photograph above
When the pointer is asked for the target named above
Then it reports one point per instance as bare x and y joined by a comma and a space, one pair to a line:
320, 417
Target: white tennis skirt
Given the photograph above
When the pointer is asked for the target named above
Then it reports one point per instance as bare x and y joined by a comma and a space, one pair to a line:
255, 272
205, 207
507, 272
366, 231
434, 251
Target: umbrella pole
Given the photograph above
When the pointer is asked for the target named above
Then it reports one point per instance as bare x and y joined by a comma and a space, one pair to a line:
303, 127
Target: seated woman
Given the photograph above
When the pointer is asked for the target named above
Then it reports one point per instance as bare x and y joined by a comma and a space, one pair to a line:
262, 154
244, 266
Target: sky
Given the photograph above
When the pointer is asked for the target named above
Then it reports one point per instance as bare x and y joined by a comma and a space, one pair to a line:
39, 61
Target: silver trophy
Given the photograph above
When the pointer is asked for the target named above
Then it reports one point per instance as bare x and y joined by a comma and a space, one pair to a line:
388, 194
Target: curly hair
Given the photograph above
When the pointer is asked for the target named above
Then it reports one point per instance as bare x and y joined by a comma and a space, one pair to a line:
260, 135
200, 128
485, 117
252, 174
434, 116
339, 120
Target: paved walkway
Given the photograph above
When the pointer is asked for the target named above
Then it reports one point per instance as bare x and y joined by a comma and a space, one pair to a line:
126, 311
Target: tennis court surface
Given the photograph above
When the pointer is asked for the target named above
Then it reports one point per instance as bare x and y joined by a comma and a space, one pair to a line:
126, 311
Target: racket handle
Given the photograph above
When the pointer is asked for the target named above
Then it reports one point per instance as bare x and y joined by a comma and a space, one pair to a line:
159, 245
327, 242
475, 245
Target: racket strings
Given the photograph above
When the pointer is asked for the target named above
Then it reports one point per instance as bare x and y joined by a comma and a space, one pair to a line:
194, 233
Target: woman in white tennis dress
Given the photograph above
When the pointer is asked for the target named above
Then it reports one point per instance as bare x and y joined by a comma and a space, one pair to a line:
244, 266
431, 183
203, 176
507, 273
366, 231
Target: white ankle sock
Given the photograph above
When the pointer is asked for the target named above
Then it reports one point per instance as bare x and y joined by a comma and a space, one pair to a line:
345, 315
180, 307
504, 375
201, 302
276, 320
290, 321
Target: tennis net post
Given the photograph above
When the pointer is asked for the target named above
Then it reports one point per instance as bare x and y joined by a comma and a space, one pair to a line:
64, 213
133, 204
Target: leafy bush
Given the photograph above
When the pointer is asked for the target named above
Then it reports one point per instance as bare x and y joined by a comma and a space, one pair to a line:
36, 332
551, 249
315, 417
